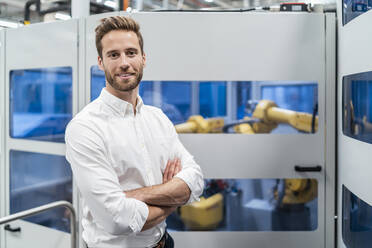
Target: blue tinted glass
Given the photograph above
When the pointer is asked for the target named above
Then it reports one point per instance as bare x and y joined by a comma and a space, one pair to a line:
250, 205
176, 100
97, 82
212, 99
354, 8
357, 106
40, 103
300, 98
244, 94
146, 92
37, 179
356, 220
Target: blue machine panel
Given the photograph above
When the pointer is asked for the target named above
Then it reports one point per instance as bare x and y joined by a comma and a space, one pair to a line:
40, 103
37, 179
357, 106
354, 8
356, 220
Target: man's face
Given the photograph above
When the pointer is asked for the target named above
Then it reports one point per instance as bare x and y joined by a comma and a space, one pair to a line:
122, 60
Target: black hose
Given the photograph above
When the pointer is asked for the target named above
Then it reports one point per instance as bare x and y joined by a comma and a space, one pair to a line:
27, 8
225, 128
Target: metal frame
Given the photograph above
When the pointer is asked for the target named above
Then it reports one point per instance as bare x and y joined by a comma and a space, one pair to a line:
330, 159
80, 99
37, 210
46, 53
2, 132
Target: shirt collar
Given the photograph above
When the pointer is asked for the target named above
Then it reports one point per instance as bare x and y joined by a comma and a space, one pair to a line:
119, 105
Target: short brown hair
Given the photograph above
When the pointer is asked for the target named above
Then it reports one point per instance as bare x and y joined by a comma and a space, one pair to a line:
116, 23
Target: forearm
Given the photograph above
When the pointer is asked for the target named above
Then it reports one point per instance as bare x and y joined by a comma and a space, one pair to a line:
173, 193
157, 215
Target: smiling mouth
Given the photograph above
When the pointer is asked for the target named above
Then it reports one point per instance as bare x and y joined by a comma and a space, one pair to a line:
125, 75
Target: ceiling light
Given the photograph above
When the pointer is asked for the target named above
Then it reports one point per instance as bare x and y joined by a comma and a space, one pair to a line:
110, 4
209, 1
9, 24
62, 16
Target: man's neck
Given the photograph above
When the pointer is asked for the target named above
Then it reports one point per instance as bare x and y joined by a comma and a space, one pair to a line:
128, 96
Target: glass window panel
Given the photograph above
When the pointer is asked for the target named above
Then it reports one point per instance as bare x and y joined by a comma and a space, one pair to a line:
40, 103
176, 100
194, 104
357, 106
354, 8
356, 220
37, 179
251, 205
296, 97
300, 98
244, 95
212, 99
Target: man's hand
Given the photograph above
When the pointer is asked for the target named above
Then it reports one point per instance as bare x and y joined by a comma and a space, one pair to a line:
157, 215
172, 168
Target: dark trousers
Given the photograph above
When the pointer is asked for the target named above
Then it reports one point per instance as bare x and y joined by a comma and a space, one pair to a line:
169, 242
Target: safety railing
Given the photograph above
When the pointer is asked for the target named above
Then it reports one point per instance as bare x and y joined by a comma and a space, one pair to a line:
37, 210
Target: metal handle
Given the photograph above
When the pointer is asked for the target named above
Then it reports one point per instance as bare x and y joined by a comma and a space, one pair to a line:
37, 210
316, 168
10, 229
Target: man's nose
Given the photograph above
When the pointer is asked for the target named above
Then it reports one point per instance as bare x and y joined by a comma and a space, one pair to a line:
124, 61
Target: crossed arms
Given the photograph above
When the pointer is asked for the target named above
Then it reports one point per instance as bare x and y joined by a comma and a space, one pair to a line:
136, 210
164, 198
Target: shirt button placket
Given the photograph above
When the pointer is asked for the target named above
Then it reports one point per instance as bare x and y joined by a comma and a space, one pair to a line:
145, 153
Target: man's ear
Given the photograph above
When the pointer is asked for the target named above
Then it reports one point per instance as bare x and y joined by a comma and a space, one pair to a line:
100, 63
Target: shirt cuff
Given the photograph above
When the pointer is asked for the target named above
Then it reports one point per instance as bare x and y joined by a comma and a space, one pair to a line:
140, 216
192, 184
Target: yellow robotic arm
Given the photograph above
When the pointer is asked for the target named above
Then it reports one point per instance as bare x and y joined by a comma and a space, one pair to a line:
266, 112
197, 124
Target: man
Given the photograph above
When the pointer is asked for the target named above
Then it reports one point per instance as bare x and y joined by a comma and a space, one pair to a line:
129, 165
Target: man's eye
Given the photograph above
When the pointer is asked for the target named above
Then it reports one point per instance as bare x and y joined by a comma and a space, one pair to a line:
131, 53
113, 55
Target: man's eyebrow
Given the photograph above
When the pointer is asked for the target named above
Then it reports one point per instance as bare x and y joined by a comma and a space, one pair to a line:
111, 51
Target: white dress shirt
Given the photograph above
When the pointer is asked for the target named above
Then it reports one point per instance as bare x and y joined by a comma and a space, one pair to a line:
112, 150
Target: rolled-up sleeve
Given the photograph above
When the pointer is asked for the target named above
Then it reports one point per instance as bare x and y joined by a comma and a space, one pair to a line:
191, 172
98, 182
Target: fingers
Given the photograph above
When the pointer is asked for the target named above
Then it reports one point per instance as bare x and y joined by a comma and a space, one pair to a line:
172, 168
178, 167
166, 171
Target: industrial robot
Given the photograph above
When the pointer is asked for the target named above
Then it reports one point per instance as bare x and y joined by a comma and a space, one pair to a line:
290, 195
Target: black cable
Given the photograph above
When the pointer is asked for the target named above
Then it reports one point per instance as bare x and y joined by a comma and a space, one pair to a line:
315, 111
226, 127
203, 10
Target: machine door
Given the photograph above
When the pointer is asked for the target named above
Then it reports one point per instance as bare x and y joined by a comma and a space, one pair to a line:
210, 74
354, 137
41, 74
